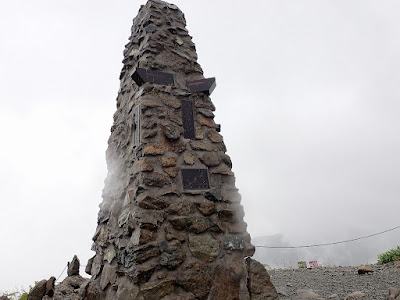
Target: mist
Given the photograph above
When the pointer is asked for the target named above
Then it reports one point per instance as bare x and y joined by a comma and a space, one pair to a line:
355, 253
308, 99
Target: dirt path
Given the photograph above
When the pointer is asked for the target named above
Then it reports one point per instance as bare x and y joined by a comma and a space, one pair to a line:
336, 282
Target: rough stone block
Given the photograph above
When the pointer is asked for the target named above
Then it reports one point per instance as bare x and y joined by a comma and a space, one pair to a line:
172, 131
204, 246
172, 254
210, 159
201, 146
176, 146
191, 223
73, 267
168, 161
206, 207
259, 283
188, 158
172, 171
155, 179
142, 166
195, 277
214, 136
108, 276
208, 122
156, 291
225, 286
109, 255
138, 255
149, 219
127, 290
147, 202
38, 291
223, 170
206, 112
153, 149
234, 243
143, 236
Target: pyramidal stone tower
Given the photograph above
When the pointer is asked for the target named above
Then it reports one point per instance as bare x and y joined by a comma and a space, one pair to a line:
171, 224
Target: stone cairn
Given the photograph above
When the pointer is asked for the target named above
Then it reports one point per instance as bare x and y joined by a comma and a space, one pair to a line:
171, 224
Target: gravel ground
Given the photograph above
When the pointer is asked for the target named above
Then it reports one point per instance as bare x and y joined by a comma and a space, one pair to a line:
336, 282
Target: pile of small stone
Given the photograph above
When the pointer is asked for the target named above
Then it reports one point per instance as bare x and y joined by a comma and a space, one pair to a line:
377, 282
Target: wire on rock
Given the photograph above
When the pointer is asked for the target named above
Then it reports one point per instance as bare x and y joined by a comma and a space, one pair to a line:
62, 272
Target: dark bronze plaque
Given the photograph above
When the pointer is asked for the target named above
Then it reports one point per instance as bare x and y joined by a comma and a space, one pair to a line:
195, 179
137, 126
188, 121
141, 76
203, 85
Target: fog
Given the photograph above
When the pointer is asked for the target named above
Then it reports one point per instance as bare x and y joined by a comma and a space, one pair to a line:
307, 95
342, 253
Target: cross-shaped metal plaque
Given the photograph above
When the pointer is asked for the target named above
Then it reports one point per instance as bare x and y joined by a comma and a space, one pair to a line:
140, 76
187, 119
202, 85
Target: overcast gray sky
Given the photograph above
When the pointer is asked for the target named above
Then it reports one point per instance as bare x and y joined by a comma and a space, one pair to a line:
307, 95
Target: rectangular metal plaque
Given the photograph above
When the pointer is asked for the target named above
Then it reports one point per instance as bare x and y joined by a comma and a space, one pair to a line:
137, 126
202, 85
141, 76
187, 119
195, 179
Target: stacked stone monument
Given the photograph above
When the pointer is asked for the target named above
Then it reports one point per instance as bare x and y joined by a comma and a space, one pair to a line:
171, 224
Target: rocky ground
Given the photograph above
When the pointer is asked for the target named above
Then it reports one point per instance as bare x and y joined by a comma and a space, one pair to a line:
336, 282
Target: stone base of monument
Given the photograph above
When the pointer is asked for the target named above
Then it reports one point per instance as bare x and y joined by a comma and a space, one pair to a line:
224, 286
